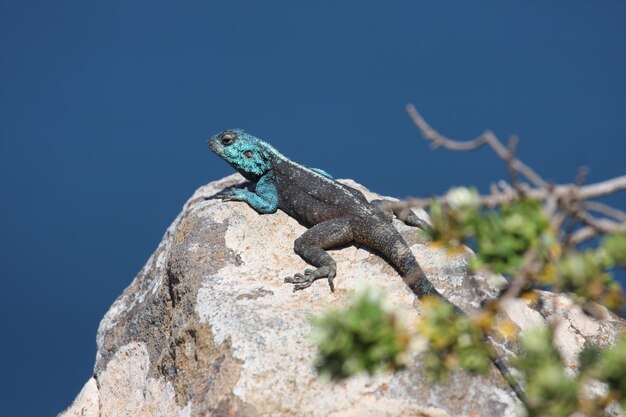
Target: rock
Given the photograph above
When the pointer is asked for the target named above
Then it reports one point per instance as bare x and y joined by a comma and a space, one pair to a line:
208, 328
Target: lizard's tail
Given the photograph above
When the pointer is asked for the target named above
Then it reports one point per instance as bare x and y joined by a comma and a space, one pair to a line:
418, 283
395, 249
398, 252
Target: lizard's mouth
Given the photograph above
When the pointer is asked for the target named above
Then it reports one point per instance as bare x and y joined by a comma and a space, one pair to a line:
215, 145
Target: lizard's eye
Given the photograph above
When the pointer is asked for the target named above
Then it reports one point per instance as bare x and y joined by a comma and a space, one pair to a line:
228, 138
248, 154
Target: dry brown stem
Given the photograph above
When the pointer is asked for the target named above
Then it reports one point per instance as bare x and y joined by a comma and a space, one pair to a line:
464, 146
565, 204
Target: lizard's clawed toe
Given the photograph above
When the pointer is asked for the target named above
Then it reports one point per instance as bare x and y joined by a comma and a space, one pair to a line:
296, 279
302, 286
331, 283
302, 281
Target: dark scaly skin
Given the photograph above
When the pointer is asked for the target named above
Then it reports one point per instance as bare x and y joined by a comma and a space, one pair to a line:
336, 214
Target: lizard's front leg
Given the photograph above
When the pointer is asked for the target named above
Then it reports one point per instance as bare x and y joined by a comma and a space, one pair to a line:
310, 246
264, 199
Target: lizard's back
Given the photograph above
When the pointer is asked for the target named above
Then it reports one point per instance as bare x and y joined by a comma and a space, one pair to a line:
312, 198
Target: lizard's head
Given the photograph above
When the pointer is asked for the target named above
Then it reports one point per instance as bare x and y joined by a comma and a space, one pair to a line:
247, 154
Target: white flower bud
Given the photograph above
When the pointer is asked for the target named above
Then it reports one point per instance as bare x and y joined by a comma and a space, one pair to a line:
462, 198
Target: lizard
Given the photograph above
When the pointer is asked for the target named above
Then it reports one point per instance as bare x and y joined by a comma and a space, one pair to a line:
334, 213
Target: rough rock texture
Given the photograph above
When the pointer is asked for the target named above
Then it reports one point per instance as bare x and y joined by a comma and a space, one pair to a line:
207, 328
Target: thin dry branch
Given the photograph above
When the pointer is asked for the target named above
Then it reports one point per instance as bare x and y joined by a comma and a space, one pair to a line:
572, 211
589, 232
606, 210
510, 159
601, 188
559, 192
601, 226
463, 146
564, 204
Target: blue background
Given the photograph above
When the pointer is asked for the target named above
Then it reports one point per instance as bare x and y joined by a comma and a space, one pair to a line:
105, 111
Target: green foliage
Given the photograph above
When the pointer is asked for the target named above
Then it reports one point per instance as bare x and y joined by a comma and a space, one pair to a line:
614, 245
453, 340
549, 391
452, 222
503, 237
585, 274
611, 368
366, 337
576, 269
515, 239
447, 229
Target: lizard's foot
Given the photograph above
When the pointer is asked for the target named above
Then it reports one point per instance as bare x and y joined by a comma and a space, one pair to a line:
301, 281
236, 194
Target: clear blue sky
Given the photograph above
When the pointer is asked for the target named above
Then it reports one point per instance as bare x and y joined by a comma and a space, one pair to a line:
105, 111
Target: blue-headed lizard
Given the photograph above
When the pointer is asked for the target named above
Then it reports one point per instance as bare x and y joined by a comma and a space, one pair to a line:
335, 213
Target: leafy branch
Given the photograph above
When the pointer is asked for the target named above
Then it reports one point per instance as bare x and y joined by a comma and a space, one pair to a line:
531, 231
566, 207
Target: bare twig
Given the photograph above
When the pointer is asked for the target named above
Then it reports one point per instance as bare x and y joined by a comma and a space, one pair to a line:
486, 138
508, 190
572, 209
605, 210
581, 175
601, 226
567, 205
586, 192
582, 235
602, 188
510, 159
550, 207
493, 188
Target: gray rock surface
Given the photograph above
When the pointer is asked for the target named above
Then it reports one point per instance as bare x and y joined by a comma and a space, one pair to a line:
207, 328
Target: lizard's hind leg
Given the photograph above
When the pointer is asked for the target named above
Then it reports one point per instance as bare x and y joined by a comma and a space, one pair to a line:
406, 215
310, 246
